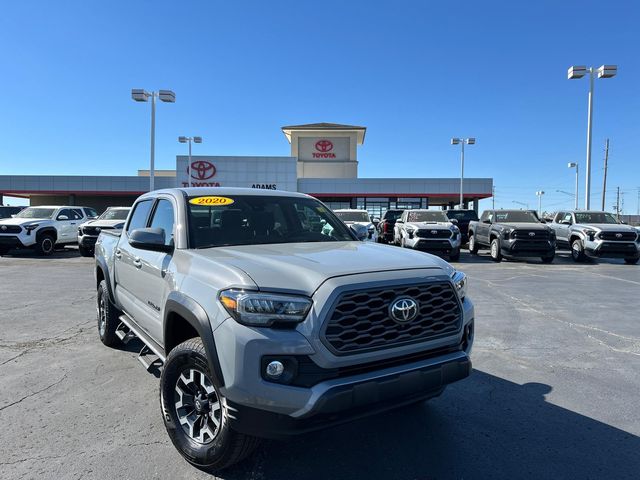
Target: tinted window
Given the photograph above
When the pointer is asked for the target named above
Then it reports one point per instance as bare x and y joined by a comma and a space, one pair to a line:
353, 216
462, 215
90, 212
115, 214
516, 216
393, 214
34, 212
422, 216
67, 212
77, 214
595, 217
163, 218
140, 215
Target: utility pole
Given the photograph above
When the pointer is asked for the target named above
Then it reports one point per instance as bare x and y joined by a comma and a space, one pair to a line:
618, 203
493, 198
606, 160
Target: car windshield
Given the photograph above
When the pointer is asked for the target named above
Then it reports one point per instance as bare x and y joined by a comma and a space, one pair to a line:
216, 221
516, 216
115, 214
435, 216
353, 216
462, 215
595, 217
33, 212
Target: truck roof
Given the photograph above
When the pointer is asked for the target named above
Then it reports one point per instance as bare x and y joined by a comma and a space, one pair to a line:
222, 191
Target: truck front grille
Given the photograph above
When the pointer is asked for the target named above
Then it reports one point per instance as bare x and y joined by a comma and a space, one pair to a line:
433, 233
531, 234
360, 320
624, 236
10, 229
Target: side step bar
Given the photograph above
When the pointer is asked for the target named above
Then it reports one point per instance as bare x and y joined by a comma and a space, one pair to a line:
151, 353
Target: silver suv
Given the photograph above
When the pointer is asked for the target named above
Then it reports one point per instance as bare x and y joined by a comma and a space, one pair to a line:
268, 327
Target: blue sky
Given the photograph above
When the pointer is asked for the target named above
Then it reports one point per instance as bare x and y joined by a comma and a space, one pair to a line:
414, 72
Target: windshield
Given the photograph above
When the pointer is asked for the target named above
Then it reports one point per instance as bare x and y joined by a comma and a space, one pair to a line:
115, 214
462, 215
435, 216
353, 216
34, 212
254, 220
516, 216
595, 217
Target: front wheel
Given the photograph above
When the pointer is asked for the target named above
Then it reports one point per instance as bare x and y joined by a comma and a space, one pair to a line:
4, 250
577, 251
548, 259
108, 317
45, 245
85, 252
496, 254
631, 261
473, 247
454, 256
195, 413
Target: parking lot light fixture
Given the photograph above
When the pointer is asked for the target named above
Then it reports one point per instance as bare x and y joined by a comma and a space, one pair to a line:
579, 71
526, 205
189, 140
462, 142
575, 165
141, 95
540, 193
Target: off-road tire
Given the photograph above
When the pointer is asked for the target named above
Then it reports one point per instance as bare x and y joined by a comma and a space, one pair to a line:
4, 250
85, 252
454, 256
45, 245
548, 259
577, 251
631, 261
107, 316
473, 246
496, 254
227, 447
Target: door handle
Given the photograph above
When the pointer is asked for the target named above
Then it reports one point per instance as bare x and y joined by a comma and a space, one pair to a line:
137, 263
72, 223
118, 253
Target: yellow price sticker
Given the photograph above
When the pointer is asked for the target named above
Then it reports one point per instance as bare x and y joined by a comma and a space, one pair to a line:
211, 201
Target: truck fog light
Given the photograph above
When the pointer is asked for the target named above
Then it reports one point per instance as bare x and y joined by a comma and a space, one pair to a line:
274, 369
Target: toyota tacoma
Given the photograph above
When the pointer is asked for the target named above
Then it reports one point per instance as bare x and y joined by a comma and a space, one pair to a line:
267, 328
596, 234
112, 218
512, 233
429, 230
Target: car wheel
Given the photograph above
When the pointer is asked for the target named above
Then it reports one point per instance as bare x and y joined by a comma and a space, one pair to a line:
195, 412
548, 259
496, 254
108, 317
4, 250
577, 251
473, 248
85, 252
454, 256
45, 245
631, 261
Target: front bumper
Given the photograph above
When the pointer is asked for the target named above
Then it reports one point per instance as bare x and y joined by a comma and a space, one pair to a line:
611, 249
528, 248
87, 241
444, 245
17, 241
345, 400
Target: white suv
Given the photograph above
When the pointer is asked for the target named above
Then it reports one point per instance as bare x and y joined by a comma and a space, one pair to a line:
43, 228
352, 217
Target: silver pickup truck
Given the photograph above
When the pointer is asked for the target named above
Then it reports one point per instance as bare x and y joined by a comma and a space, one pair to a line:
268, 327
597, 235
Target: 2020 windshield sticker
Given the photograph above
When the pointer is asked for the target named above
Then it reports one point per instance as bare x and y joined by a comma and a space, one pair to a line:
211, 201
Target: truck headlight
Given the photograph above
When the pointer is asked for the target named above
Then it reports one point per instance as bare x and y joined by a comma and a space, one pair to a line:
591, 234
506, 233
411, 231
264, 309
460, 282
31, 228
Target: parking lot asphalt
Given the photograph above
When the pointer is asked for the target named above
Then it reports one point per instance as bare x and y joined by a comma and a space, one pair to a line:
554, 393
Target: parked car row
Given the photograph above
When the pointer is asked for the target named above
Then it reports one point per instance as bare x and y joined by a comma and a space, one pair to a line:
46, 228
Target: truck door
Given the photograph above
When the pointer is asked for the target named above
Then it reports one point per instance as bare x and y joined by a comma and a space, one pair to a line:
483, 227
67, 222
561, 225
127, 271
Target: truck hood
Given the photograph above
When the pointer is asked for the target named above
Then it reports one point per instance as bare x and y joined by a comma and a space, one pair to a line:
605, 227
526, 226
103, 223
303, 267
432, 225
23, 222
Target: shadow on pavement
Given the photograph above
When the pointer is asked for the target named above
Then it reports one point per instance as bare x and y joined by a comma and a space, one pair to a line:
57, 254
483, 427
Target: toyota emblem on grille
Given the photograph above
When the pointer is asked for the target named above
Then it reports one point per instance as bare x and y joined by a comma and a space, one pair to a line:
618, 235
532, 234
4, 227
403, 309
434, 232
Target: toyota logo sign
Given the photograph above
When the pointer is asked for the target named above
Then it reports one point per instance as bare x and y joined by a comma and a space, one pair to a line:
532, 234
403, 309
324, 146
202, 170
618, 235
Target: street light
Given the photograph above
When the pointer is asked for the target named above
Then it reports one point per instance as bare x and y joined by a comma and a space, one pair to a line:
575, 165
539, 193
521, 203
572, 195
141, 95
462, 142
575, 72
189, 140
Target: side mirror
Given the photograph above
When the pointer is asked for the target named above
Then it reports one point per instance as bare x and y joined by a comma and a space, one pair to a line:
565, 222
149, 239
361, 232
375, 220
454, 221
62, 217
623, 222
399, 221
487, 221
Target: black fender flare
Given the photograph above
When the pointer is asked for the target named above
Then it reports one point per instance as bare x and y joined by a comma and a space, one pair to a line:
101, 264
197, 317
50, 230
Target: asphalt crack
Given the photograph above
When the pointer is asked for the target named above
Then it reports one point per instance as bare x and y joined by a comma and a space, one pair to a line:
37, 392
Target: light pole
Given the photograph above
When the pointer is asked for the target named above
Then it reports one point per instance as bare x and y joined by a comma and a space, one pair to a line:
575, 165
141, 95
189, 140
462, 142
579, 71
521, 203
540, 193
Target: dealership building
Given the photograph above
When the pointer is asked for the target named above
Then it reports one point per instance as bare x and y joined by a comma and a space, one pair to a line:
323, 163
